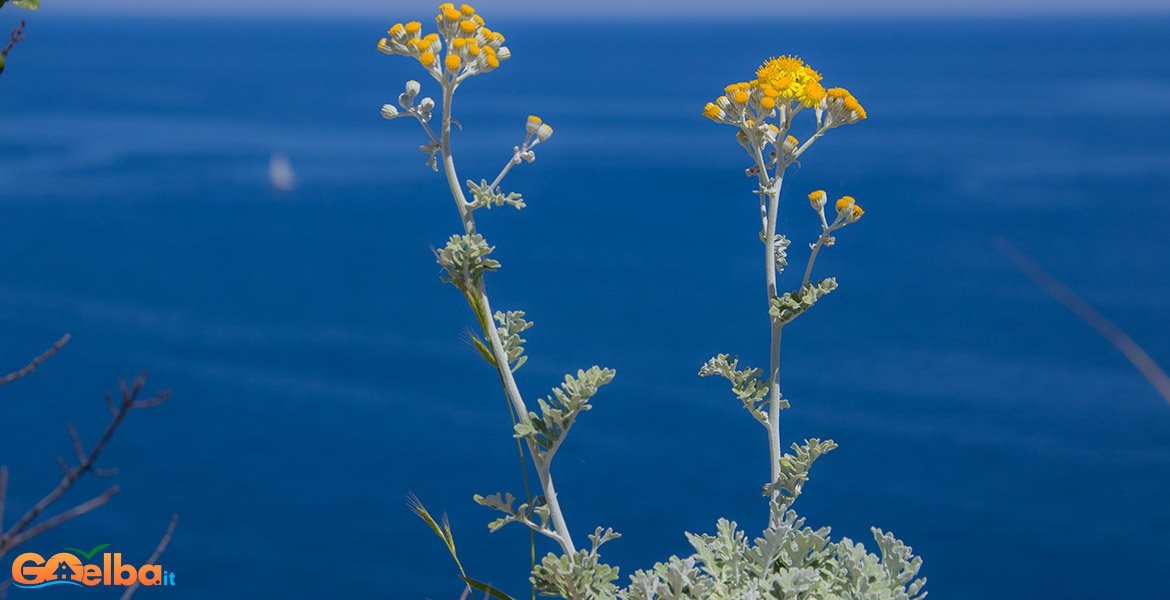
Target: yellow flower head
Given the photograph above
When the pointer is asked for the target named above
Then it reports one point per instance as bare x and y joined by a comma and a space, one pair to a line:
814, 92
776, 67
452, 15
712, 112
852, 104
794, 141
397, 29
413, 27
845, 202
857, 212
427, 59
467, 26
466, 9
452, 61
740, 97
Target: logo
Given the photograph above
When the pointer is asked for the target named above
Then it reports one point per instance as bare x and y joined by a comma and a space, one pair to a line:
76, 567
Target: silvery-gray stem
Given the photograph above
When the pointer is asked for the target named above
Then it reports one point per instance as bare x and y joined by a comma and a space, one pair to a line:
497, 348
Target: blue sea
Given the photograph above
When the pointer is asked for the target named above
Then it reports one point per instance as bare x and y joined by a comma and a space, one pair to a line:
320, 370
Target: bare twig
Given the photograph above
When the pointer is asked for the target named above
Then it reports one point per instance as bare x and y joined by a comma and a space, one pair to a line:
77, 446
69, 515
162, 545
17, 35
20, 532
36, 362
1114, 335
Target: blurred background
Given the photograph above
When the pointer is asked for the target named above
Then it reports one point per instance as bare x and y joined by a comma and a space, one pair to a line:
317, 362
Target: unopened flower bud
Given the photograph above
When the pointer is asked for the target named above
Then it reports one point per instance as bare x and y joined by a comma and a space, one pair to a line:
818, 199
790, 146
529, 156
544, 132
426, 104
503, 53
389, 112
412, 88
532, 125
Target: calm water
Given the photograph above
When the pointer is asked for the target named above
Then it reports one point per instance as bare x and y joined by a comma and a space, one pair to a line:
317, 363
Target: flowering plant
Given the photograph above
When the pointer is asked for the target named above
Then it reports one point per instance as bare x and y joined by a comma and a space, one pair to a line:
789, 560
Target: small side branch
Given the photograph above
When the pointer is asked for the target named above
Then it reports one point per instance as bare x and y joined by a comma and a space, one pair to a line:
46, 355
162, 546
69, 515
17, 35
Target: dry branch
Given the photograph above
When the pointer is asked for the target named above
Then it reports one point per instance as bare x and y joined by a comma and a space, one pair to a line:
17, 35
23, 530
162, 545
1112, 333
36, 362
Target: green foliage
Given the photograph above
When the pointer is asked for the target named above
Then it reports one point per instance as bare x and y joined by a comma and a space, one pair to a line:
484, 195
521, 514
789, 561
512, 324
745, 383
781, 244
485, 588
581, 577
441, 528
559, 411
464, 258
787, 307
794, 468
29, 4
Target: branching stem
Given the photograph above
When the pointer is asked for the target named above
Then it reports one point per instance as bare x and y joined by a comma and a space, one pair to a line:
497, 348
771, 190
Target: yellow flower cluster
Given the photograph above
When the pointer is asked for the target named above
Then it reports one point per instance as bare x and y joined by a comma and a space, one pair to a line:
470, 46
782, 87
847, 207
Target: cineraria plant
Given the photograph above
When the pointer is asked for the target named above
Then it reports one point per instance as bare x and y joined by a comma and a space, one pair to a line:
789, 560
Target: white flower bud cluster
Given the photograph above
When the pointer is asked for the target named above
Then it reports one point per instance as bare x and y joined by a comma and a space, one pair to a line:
406, 100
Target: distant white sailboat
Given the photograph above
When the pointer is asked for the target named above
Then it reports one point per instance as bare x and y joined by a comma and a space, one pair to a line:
280, 173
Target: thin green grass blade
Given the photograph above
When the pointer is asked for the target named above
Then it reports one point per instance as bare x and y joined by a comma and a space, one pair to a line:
443, 531
487, 589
